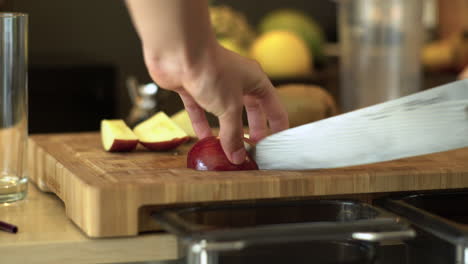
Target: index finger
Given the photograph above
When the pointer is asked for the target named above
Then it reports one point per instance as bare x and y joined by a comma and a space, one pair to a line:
275, 112
196, 114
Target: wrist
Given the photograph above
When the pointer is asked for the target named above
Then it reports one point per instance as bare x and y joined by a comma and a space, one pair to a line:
202, 62
186, 63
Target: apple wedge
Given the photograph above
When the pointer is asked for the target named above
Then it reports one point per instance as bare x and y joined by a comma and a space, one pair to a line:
116, 136
182, 119
160, 133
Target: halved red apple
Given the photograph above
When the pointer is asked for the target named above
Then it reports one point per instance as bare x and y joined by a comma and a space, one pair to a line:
207, 154
159, 132
117, 136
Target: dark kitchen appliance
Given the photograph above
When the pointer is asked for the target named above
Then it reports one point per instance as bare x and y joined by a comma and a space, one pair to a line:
70, 98
306, 231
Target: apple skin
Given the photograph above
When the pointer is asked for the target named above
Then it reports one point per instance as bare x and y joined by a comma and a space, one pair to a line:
207, 154
122, 145
165, 145
160, 133
116, 136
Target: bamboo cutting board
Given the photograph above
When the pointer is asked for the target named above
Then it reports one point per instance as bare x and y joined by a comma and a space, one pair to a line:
111, 194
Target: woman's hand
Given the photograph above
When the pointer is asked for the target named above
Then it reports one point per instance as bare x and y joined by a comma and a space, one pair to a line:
182, 55
464, 74
222, 83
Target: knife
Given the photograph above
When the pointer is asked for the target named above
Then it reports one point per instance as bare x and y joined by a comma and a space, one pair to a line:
430, 121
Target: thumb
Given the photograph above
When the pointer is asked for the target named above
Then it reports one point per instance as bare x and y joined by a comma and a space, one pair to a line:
231, 135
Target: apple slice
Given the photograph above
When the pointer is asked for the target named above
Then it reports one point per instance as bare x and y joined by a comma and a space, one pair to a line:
207, 154
117, 136
182, 119
159, 132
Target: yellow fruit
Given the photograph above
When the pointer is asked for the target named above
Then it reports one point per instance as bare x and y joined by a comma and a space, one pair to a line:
447, 54
297, 22
282, 54
438, 55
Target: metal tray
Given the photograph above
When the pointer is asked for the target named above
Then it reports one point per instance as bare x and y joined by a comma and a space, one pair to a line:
323, 228
441, 222
330, 252
444, 214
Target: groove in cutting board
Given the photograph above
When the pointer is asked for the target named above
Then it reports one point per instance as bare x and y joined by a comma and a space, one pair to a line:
103, 192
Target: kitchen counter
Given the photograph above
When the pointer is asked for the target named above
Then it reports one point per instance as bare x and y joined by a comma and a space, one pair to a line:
46, 235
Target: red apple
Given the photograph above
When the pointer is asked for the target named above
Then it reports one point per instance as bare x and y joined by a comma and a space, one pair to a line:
117, 136
160, 133
207, 154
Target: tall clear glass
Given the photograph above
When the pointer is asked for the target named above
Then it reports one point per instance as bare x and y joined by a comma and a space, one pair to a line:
13, 106
380, 43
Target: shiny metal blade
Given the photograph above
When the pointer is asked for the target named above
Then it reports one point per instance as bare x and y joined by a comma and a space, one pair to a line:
431, 121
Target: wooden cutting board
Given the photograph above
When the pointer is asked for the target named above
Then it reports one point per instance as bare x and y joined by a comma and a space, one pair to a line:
111, 194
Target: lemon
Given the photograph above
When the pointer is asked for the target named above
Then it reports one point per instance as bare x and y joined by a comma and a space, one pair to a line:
298, 22
282, 54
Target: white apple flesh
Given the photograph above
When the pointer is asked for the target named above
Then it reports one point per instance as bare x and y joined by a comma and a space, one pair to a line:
160, 133
117, 136
182, 119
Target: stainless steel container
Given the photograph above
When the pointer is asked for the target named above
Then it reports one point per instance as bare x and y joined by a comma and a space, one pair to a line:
441, 223
380, 44
318, 231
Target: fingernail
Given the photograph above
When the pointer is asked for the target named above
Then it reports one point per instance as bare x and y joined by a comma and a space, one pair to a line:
238, 156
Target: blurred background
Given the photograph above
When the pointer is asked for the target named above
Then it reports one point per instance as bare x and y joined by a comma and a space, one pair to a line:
86, 63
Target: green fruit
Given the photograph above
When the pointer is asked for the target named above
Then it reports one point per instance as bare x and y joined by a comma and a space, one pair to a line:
232, 45
229, 23
299, 23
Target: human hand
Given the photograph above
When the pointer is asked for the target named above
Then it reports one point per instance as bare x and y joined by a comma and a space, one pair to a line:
222, 82
464, 74
183, 55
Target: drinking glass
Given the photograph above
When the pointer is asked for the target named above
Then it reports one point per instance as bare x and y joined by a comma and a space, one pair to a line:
13, 106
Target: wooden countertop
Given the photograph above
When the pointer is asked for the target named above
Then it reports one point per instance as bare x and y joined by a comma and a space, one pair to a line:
46, 235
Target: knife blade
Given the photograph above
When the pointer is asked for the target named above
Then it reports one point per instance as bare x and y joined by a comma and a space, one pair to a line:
430, 121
